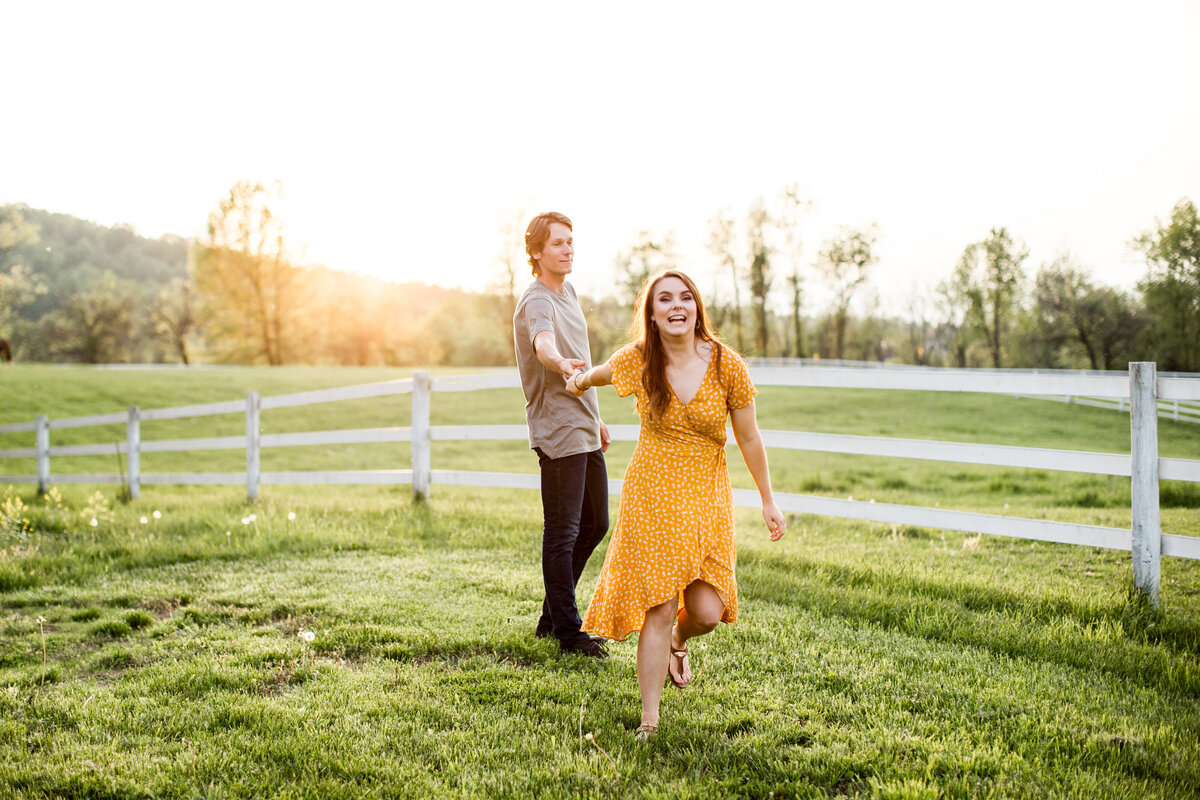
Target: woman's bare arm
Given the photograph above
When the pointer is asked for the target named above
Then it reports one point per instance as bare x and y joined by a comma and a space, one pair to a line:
745, 430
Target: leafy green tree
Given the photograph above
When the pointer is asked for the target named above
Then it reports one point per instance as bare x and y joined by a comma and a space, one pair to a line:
1171, 289
253, 298
18, 288
989, 278
845, 261
14, 230
95, 325
1072, 312
644, 256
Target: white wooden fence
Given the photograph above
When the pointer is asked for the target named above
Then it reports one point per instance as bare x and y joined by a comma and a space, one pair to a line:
1141, 388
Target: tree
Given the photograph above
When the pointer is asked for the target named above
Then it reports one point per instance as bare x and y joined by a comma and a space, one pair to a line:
788, 218
14, 230
1171, 289
95, 325
171, 318
760, 270
253, 298
845, 261
643, 257
18, 288
989, 278
1072, 312
721, 244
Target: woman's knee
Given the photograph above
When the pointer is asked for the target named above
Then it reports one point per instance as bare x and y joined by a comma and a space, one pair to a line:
705, 618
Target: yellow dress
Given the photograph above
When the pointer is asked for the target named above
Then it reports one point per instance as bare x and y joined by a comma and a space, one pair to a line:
675, 523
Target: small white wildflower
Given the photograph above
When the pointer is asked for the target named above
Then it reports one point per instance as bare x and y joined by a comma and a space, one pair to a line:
41, 619
143, 520
252, 517
157, 514
589, 737
307, 636
94, 522
245, 520
291, 515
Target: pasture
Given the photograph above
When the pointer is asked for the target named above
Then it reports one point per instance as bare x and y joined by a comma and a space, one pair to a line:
170, 658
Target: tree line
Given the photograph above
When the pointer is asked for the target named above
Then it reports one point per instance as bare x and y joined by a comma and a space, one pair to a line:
71, 290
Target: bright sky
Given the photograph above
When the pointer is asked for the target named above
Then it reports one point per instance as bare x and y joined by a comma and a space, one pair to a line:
404, 133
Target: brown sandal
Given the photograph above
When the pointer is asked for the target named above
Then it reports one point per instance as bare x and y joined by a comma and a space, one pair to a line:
681, 654
644, 732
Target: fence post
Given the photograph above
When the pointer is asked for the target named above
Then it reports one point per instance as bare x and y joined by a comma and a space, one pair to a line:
133, 446
43, 453
421, 462
1147, 524
252, 440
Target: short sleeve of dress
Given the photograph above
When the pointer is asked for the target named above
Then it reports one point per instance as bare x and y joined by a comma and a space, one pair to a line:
626, 366
739, 390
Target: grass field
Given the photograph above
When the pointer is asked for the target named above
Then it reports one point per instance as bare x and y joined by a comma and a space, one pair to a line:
168, 658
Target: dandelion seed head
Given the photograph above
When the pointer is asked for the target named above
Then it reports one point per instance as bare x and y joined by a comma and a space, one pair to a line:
143, 520
291, 515
252, 517
94, 522
229, 533
307, 636
157, 514
245, 520
589, 737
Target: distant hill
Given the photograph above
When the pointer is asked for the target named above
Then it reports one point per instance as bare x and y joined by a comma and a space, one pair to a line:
70, 254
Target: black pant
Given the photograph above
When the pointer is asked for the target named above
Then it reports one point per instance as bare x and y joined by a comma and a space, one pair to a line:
575, 508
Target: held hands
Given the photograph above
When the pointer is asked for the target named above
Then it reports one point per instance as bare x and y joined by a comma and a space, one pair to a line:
774, 519
569, 366
574, 385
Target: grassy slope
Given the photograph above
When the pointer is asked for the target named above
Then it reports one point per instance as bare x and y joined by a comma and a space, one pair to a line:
869, 661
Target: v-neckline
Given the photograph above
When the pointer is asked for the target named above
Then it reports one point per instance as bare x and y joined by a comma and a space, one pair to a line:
699, 385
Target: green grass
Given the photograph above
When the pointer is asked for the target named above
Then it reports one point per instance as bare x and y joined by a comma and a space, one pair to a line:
870, 661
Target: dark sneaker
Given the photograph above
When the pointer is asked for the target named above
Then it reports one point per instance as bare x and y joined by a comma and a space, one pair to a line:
587, 647
545, 633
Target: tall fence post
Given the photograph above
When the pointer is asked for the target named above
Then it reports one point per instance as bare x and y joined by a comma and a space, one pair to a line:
421, 461
133, 448
1147, 524
252, 442
43, 453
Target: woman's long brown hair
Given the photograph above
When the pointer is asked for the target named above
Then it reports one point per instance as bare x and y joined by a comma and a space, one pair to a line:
654, 358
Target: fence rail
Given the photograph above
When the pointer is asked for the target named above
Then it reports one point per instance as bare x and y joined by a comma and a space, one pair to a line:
1141, 389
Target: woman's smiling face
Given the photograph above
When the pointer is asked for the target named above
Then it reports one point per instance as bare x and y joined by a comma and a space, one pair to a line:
674, 307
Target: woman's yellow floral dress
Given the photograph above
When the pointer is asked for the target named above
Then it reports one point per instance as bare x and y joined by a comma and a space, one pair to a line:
675, 524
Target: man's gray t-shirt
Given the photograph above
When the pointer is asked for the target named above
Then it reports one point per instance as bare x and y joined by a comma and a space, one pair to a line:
560, 424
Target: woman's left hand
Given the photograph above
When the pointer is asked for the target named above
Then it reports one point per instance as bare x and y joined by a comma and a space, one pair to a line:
776, 524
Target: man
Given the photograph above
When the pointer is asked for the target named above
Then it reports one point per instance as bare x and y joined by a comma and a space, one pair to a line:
564, 430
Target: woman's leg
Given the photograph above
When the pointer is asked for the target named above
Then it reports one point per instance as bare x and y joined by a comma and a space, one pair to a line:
653, 653
702, 610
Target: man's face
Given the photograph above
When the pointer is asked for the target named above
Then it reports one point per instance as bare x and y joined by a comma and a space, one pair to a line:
558, 252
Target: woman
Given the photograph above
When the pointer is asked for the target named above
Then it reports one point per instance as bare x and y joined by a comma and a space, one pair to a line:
669, 572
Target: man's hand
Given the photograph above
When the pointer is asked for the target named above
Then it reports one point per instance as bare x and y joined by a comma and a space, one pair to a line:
605, 438
569, 366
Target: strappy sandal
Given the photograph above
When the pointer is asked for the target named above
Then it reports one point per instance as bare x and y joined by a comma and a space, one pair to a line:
681, 654
644, 732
